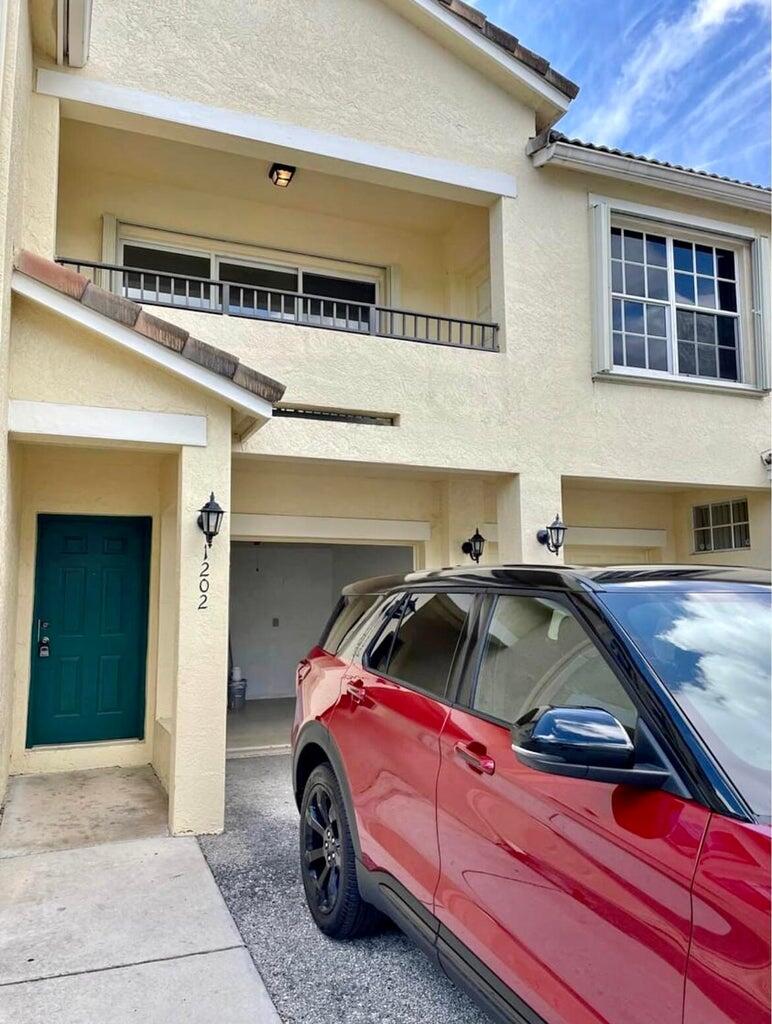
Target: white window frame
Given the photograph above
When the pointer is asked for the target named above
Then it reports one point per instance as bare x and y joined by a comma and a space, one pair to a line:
752, 264
711, 527
251, 255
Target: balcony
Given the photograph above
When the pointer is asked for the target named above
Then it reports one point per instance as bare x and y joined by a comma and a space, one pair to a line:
228, 298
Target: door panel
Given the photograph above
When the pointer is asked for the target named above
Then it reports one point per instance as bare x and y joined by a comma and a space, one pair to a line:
728, 977
575, 893
91, 596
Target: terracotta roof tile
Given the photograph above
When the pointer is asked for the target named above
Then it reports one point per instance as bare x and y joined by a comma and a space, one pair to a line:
511, 44
163, 332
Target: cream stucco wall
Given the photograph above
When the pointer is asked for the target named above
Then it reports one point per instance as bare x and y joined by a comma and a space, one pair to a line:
376, 78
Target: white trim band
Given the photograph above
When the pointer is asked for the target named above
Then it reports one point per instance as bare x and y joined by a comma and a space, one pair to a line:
53, 419
626, 168
254, 526
290, 139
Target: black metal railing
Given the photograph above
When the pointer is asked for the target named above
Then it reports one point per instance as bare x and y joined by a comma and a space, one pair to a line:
152, 288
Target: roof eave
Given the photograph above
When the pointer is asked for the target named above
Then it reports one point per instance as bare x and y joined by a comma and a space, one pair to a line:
626, 168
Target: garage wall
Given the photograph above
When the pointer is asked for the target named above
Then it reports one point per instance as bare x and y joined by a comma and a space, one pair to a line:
298, 585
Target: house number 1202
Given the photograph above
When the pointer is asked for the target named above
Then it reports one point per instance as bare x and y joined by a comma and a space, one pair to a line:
203, 583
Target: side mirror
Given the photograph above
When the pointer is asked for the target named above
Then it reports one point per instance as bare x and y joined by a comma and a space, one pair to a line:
583, 743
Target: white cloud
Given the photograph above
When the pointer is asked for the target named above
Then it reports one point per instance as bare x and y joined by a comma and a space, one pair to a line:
648, 73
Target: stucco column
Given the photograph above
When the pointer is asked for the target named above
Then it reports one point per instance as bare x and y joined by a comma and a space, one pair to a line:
41, 176
525, 504
503, 271
197, 768
463, 509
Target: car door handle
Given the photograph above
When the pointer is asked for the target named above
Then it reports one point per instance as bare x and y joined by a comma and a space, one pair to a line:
355, 689
477, 757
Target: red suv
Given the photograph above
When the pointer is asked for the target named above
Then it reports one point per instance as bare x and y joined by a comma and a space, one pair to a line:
555, 780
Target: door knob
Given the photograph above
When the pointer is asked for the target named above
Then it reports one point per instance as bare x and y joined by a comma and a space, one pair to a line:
477, 757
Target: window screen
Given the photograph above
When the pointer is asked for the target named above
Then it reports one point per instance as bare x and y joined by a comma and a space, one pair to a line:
426, 641
537, 655
259, 291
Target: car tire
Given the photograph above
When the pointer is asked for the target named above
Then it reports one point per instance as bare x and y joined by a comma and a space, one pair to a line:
328, 862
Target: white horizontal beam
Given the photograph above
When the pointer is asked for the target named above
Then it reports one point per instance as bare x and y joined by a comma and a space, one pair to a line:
88, 421
255, 526
71, 309
292, 138
595, 536
642, 172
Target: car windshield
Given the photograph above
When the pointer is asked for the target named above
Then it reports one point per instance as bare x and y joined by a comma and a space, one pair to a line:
712, 651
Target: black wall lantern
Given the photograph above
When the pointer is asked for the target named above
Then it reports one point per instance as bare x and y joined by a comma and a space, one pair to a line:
210, 517
474, 546
553, 536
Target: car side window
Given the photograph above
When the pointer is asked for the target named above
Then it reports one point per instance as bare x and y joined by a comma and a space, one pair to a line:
426, 640
349, 613
537, 654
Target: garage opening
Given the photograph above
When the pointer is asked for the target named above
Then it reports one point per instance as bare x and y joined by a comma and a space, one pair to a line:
281, 596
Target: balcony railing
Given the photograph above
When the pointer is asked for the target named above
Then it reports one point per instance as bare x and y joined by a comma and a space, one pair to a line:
225, 298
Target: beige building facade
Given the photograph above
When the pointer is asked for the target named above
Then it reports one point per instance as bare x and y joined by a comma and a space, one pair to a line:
452, 318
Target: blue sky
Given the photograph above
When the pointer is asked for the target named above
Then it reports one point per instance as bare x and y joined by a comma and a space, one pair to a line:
682, 80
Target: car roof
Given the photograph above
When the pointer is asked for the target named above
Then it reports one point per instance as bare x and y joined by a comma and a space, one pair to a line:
569, 578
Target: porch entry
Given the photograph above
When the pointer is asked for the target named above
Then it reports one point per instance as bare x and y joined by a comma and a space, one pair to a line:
89, 629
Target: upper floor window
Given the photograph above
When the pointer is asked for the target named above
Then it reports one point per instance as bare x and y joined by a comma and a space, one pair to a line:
674, 305
679, 301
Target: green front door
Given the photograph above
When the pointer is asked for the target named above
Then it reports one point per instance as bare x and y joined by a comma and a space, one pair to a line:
89, 629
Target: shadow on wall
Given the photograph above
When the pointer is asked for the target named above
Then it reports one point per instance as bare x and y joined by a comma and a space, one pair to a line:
281, 597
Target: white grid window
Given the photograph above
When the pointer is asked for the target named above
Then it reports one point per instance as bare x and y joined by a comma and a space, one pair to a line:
721, 526
674, 305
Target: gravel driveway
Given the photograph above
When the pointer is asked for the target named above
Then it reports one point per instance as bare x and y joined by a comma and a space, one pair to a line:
381, 980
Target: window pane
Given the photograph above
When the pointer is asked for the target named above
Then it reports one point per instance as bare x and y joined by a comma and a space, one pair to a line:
722, 538
742, 536
657, 354
427, 638
725, 263
727, 364
657, 283
616, 243
701, 515
721, 513
706, 361
634, 246
706, 291
634, 279
656, 251
634, 317
267, 278
705, 259
617, 284
727, 296
619, 351
378, 656
685, 324
616, 314
166, 277
684, 287
687, 358
350, 612
655, 320
726, 330
636, 350
536, 654
338, 288
706, 328
683, 255
740, 511
182, 263
702, 540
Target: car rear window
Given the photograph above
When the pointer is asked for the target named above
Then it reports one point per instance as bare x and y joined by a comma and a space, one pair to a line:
418, 649
348, 612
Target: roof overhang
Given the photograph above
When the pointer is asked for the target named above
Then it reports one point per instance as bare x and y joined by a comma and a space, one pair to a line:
641, 172
467, 42
250, 410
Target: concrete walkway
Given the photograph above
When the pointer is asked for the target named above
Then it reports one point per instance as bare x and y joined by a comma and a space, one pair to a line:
126, 931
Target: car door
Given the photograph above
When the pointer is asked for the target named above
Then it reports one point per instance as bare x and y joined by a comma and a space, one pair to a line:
387, 726
573, 893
